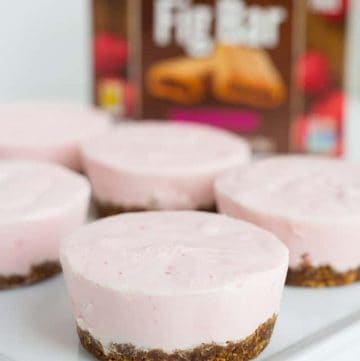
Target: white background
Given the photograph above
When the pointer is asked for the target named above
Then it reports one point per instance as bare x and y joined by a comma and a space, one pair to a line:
44, 49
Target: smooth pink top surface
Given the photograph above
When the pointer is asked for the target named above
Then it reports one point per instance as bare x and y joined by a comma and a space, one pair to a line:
166, 252
31, 189
32, 124
159, 147
310, 203
314, 188
49, 131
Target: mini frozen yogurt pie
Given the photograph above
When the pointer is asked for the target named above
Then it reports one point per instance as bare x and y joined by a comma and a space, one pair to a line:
48, 131
39, 204
176, 285
160, 165
312, 204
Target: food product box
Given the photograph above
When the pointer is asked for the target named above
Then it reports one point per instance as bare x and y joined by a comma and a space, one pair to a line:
272, 70
220, 62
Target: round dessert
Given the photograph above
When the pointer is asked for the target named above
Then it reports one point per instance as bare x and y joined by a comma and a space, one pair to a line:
175, 285
48, 131
40, 203
311, 203
160, 166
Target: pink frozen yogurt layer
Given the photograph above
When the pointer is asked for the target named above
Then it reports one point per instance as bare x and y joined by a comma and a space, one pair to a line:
173, 280
310, 203
157, 165
39, 204
48, 131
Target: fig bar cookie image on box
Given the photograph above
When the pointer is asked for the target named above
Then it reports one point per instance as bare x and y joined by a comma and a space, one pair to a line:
312, 204
160, 165
233, 74
178, 285
40, 203
181, 80
245, 75
48, 131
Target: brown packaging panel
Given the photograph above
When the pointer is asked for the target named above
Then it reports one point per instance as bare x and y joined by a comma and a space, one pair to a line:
223, 62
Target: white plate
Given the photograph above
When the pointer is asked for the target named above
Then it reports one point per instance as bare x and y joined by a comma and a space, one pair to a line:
36, 323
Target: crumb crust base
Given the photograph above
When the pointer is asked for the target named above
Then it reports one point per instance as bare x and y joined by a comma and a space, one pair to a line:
243, 350
105, 210
322, 276
37, 273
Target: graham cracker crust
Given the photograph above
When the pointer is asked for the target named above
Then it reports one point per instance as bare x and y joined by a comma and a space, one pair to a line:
244, 350
105, 210
323, 276
37, 273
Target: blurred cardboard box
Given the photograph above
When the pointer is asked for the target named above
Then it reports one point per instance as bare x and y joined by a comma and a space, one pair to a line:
272, 70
